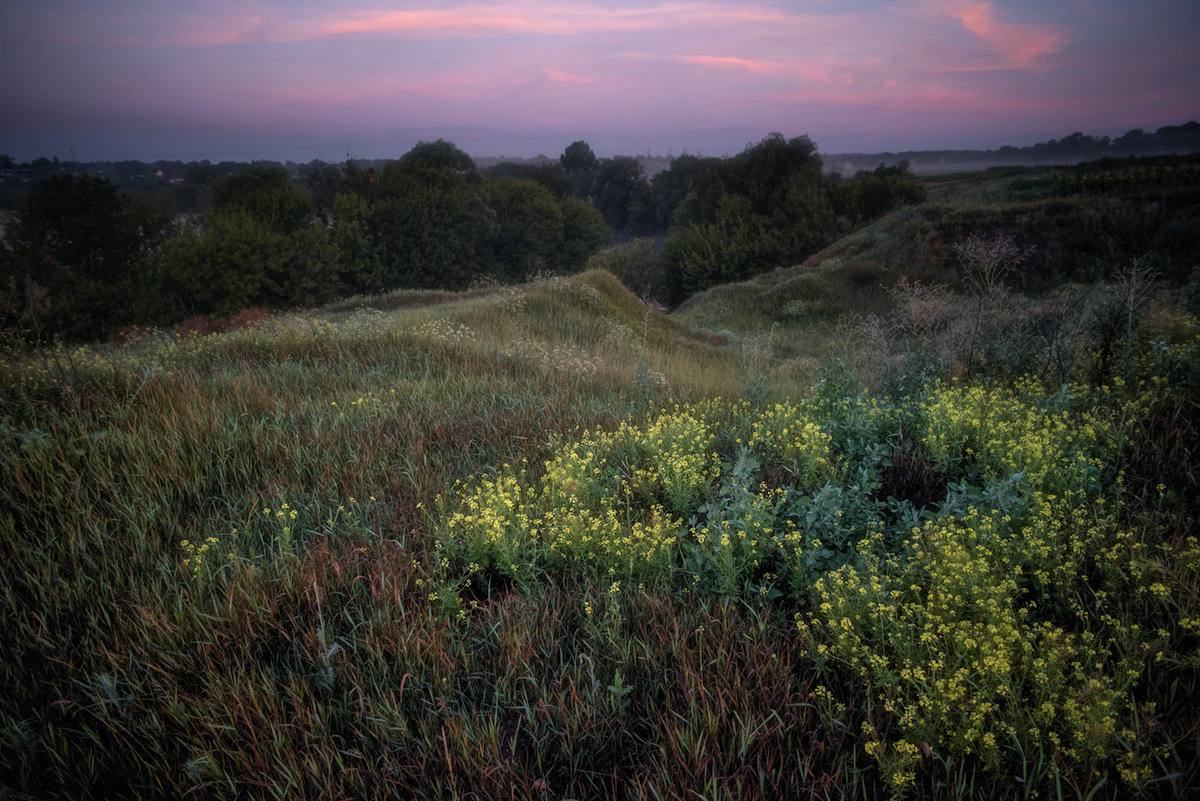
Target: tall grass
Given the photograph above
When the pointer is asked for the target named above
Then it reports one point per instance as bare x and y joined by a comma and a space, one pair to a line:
232, 567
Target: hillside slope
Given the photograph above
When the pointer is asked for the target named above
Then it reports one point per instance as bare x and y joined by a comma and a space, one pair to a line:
839, 531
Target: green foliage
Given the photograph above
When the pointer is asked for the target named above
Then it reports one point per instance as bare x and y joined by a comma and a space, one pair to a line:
238, 259
430, 221
735, 246
636, 265
672, 186
266, 196
615, 183
870, 195
771, 207
801, 217
370, 547
225, 267
82, 225
429, 218
939, 619
766, 207
324, 181
616, 187
359, 264
767, 172
578, 158
584, 232
88, 246
367, 549
550, 175
438, 157
531, 224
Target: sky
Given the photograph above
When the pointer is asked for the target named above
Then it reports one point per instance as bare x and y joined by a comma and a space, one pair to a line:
325, 79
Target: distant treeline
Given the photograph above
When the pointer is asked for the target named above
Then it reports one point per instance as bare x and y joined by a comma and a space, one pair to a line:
1170, 139
94, 247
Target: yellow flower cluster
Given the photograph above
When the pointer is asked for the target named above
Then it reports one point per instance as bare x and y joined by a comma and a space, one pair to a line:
195, 553
678, 447
979, 629
954, 651
973, 634
785, 432
612, 501
495, 523
370, 402
1002, 431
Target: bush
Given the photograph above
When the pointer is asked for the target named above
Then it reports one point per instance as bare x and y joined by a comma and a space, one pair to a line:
637, 265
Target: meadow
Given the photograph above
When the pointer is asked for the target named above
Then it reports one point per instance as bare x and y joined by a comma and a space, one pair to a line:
894, 522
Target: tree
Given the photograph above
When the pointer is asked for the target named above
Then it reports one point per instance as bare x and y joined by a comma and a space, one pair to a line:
536, 230
550, 175
87, 244
708, 188
870, 195
529, 220
429, 219
578, 158
671, 186
579, 163
267, 196
803, 219
324, 181
766, 172
363, 183
737, 245
202, 173
223, 268
310, 276
584, 232
357, 259
613, 188
437, 157
81, 224
259, 244
769, 205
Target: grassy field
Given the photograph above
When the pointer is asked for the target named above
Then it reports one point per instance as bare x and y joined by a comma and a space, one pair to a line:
842, 531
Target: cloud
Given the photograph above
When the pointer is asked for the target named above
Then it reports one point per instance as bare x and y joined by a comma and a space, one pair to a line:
523, 17
1018, 44
216, 33
559, 76
764, 67
807, 71
602, 63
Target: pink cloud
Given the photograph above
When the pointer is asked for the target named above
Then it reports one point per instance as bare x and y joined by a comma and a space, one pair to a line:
728, 61
1018, 44
203, 32
559, 76
467, 21
815, 71
536, 17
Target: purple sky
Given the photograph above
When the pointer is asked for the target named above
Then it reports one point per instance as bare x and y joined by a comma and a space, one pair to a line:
301, 79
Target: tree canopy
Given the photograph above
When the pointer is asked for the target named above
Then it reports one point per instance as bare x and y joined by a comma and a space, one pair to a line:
266, 234
88, 246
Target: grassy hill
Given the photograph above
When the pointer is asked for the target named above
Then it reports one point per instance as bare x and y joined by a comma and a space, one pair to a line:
916, 516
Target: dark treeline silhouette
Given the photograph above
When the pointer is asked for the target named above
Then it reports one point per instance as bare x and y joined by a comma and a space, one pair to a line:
91, 248
1168, 140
